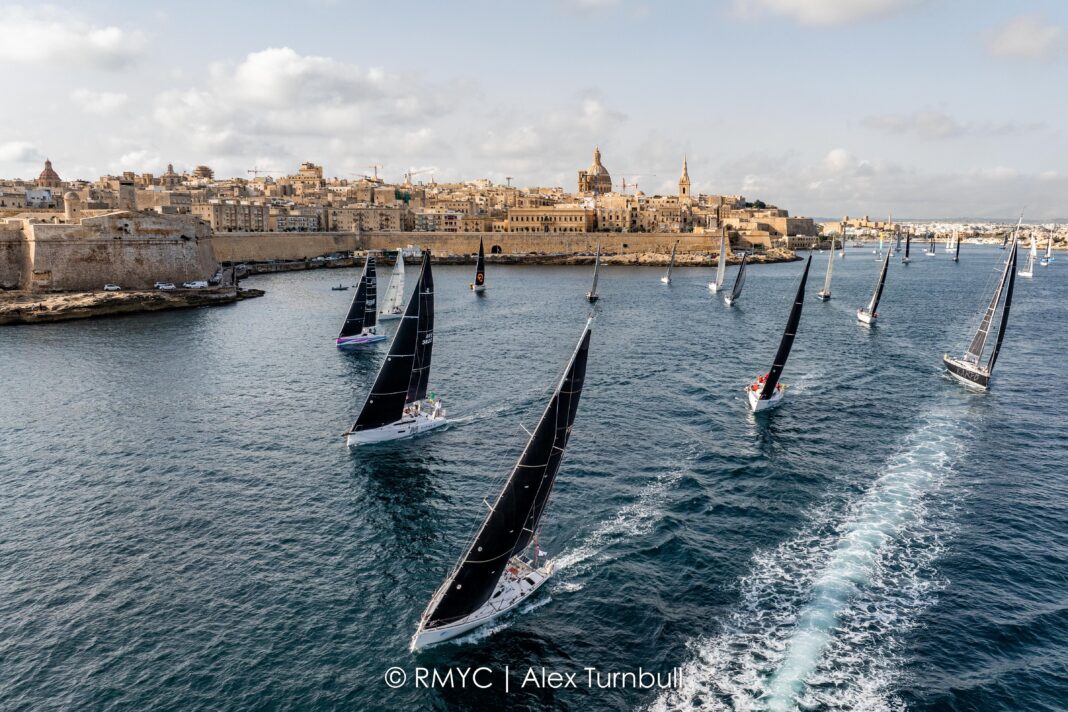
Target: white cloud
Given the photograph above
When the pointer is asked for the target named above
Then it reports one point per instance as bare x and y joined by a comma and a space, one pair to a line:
1027, 38
936, 125
20, 152
824, 12
101, 103
50, 35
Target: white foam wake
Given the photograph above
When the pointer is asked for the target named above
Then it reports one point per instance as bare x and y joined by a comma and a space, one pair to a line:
822, 616
631, 521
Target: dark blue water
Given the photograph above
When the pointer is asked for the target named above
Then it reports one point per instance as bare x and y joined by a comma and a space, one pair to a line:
182, 527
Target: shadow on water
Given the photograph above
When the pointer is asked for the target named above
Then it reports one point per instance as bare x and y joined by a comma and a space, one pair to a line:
400, 482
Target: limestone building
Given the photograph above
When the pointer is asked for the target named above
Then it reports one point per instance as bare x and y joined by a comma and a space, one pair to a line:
48, 178
596, 178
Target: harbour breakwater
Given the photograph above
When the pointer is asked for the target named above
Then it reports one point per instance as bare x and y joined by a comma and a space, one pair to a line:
27, 308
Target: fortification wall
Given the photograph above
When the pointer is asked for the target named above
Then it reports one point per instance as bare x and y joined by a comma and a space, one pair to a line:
134, 250
249, 247
12, 256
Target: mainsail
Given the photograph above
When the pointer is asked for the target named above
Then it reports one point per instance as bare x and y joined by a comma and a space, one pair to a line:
363, 303
975, 350
395, 291
671, 265
908, 243
408, 360
514, 517
788, 335
1004, 312
1049, 247
480, 266
721, 268
874, 303
956, 246
596, 269
739, 280
830, 268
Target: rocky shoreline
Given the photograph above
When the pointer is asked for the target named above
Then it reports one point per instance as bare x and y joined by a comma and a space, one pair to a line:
29, 308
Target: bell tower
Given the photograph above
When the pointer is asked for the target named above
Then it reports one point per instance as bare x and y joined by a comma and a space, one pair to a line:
684, 181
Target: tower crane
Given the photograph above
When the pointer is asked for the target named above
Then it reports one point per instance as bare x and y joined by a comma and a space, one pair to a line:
256, 171
410, 173
375, 167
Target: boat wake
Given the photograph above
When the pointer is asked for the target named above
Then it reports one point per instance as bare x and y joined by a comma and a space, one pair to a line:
632, 520
822, 617
807, 381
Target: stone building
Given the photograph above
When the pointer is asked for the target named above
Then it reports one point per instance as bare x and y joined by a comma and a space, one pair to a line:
371, 217
596, 178
554, 219
48, 178
233, 216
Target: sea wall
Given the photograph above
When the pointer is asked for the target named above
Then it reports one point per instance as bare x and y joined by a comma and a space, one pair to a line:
253, 247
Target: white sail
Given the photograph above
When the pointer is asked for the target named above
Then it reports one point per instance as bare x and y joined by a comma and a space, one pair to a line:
666, 279
394, 301
830, 267
721, 268
596, 270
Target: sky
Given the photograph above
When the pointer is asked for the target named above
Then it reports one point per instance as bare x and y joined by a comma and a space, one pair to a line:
920, 108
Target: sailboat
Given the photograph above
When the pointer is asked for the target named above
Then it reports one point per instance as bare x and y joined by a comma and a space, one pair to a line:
592, 295
930, 252
1032, 255
969, 368
908, 243
825, 293
766, 392
842, 253
721, 266
501, 567
397, 405
956, 246
360, 327
666, 279
479, 285
393, 307
739, 282
879, 252
868, 314
1049, 252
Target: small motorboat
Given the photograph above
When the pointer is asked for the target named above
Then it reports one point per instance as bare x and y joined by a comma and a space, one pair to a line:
339, 288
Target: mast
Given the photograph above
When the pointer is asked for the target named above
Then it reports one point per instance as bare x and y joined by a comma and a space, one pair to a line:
974, 354
830, 267
788, 335
480, 266
516, 513
596, 269
1004, 313
874, 303
389, 394
354, 320
739, 280
721, 268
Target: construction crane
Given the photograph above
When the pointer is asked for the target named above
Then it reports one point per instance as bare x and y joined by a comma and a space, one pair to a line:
634, 182
256, 171
509, 179
375, 167
410, 173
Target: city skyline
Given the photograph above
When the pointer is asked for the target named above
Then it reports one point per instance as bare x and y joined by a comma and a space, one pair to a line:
826, 107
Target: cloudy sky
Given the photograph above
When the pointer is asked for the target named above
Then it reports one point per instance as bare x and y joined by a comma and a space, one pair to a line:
927, 108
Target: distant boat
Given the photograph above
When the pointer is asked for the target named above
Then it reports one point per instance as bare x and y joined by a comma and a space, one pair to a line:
956, 246
666, 279
721, 266
393, 308
501, 567
1049, 252
397, 405
908, 243
825, 293
766, 392
868, 314
739, 282
360, 327
969, 369
592, 295
879, 252
1032, 255
339, 288
479, 285
930, 252
842, 253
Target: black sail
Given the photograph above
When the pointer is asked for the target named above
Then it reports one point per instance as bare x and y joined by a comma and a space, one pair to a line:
956, 253
514, 517
974, 354
739, 280
873, 305
424, 336
354, 320
385, 403
370, 307
480, 267
788, 335
1004, 313
908, 242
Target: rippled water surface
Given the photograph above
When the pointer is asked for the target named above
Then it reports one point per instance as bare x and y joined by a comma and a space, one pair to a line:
182, 527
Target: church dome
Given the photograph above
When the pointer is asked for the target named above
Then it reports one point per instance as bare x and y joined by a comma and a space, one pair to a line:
597, 168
